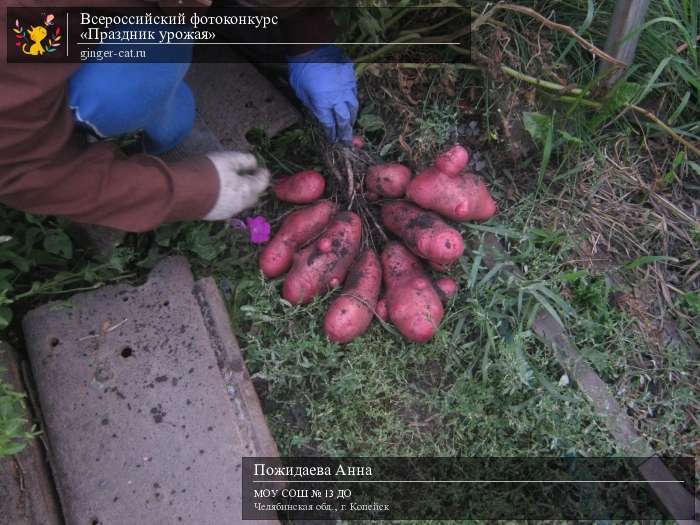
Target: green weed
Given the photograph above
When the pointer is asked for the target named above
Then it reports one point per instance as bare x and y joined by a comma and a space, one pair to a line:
13, 434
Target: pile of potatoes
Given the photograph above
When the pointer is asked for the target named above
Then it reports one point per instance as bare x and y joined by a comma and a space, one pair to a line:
320, 247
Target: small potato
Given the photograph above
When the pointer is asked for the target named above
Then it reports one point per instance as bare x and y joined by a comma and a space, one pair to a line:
388, 180
452, 161
301, 188
447, 288
350, 315
358, 142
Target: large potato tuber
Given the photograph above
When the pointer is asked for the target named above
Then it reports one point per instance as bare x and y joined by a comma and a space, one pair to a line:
301, 188
299, 228
426, 234
388, 180
452, 161
461, 197
324, 264
351, 314
413, 304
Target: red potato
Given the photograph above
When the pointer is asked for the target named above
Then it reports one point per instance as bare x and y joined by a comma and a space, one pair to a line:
388, 180
351, 314
462, 197
426, 234
398, 264
446, 288
324, 264
412, 303
358, 142
299, 228
452, 161
381, 309
301, 188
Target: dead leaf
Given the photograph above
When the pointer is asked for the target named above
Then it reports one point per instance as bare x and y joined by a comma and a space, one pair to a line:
406, 82
447, 80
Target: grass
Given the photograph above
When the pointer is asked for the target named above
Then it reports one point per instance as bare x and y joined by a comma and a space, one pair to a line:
484, 375
588, 214
13, 425
598, 208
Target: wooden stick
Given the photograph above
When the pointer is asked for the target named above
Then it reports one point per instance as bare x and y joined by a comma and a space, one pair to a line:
623, 34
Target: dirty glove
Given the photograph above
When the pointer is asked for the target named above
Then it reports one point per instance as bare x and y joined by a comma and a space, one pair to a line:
241, 181
324, 80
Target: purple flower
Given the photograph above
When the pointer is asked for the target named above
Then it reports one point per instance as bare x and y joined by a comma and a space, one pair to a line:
259, 229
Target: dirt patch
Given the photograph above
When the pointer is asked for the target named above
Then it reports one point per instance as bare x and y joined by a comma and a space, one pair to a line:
419, 416
432, 375
636, 304
594, 256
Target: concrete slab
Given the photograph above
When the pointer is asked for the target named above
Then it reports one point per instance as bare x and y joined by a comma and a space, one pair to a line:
234, 98
147, 403
27, 495
199, 142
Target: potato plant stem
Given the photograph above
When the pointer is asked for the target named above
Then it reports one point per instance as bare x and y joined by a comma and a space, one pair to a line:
552, 25
350, 176
576, 91
428, 29
539, 82
414, 65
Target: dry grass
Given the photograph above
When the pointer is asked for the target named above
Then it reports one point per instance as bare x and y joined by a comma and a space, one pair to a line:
623, 193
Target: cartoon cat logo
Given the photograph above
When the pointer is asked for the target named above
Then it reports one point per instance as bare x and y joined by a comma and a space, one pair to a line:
37, 35
37, 40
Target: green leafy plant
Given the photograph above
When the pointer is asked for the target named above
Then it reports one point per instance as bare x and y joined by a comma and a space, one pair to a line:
30, 247
13, 433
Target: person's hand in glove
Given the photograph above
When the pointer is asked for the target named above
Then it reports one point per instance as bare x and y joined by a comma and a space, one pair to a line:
324, 80
241, 181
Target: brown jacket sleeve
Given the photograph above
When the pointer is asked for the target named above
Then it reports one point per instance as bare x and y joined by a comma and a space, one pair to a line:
46, 168
95, 185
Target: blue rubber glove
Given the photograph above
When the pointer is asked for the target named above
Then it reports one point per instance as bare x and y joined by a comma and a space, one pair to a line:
324, 80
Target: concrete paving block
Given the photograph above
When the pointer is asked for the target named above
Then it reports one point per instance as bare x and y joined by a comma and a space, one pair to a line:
234, 98
246, 404
144, 397
199, 142
27, 495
